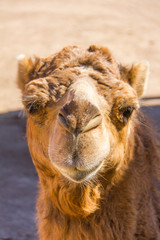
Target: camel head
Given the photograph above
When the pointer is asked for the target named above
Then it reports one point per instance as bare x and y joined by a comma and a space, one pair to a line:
81, 107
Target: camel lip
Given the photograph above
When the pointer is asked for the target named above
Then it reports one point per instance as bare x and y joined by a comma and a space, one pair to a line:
79, 176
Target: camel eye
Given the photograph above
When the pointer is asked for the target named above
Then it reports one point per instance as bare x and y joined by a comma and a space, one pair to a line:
120, 115
127, 112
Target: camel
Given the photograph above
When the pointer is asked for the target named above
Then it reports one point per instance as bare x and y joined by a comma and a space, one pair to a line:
95, 154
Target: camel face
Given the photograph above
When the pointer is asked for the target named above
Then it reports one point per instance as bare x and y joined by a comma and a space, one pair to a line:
85, 124
80, 105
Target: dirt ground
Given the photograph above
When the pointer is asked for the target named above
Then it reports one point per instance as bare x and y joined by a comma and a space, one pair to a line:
129, 28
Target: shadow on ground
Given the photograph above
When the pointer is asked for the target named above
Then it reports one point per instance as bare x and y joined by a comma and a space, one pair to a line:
154, 115
18, 178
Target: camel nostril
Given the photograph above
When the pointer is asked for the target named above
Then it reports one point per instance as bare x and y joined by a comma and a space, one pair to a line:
76, 123
93, 123
62, 120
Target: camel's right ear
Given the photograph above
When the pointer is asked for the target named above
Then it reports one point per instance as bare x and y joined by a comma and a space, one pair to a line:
139, 77
25, 67
136, 76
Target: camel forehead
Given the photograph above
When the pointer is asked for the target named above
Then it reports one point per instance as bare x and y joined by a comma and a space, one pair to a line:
87, 84
99, 59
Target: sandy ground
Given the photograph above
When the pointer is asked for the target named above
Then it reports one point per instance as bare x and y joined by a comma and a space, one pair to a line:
129, 28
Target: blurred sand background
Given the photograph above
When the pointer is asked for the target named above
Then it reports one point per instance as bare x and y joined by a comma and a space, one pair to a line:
130, 28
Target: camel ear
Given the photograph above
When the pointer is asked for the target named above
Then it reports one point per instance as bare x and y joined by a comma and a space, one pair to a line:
25, 67
138, 76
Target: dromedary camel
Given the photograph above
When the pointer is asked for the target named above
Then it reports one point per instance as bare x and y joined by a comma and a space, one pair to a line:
94, 152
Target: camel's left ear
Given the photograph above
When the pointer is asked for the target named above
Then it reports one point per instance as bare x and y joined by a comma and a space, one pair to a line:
138, 76
25, 67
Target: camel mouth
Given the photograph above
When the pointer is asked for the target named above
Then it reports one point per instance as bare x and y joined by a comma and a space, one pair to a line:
79, 176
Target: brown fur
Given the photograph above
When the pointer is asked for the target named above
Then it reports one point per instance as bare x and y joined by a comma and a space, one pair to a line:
121, 201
